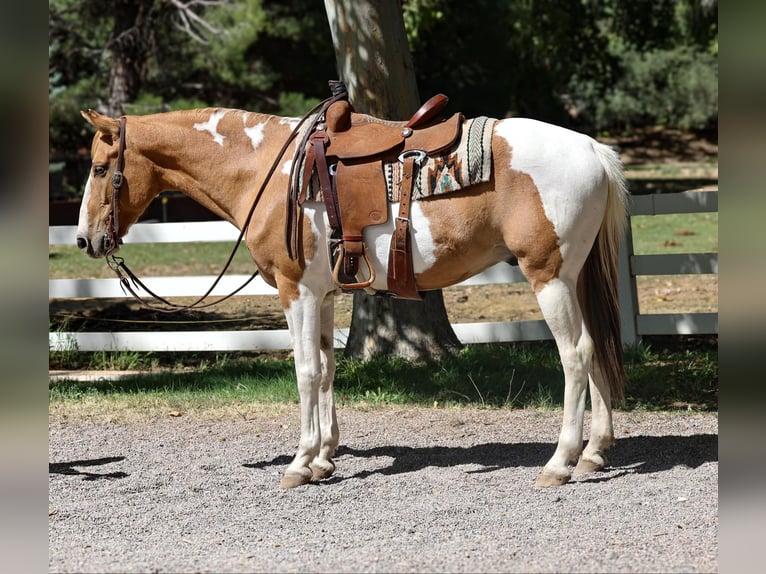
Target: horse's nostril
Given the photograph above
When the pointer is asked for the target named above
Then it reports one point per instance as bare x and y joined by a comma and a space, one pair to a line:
82, 243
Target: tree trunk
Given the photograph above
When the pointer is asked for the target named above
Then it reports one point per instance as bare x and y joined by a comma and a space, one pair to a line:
375, 63
127, 48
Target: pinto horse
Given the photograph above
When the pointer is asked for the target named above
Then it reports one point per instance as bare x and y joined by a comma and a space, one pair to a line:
556, 202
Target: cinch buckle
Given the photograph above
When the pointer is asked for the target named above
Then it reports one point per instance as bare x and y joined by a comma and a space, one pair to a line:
419, 154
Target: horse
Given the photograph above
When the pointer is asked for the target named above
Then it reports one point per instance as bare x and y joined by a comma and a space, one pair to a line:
555, 203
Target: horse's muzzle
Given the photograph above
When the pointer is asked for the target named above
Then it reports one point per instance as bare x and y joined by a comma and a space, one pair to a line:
85, 245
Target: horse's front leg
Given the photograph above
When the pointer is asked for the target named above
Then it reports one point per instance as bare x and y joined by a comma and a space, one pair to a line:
322, 466
310, 318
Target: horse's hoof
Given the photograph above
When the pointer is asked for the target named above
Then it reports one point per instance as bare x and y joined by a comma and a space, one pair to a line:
547, 479
320, 473
587, 466
294, 480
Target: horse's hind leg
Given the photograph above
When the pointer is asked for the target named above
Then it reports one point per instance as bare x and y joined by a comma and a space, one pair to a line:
558, 302
601, 430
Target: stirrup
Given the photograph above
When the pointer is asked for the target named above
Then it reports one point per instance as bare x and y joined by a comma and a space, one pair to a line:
352, 286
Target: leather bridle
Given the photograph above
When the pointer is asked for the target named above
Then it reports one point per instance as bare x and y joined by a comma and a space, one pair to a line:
111, 238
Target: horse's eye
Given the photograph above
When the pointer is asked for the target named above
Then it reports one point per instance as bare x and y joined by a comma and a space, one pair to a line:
99, 170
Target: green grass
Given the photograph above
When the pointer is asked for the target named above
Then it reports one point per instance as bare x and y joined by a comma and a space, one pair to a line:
151, 259
663, 375
675, 233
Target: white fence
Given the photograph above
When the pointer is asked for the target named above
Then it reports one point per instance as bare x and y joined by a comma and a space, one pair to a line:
633, 325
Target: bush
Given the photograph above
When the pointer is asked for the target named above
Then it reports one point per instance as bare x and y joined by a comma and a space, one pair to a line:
673, 88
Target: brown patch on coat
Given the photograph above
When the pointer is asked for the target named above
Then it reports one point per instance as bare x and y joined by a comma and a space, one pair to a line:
486, 223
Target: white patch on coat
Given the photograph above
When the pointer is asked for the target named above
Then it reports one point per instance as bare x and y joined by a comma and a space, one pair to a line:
292, 122
287, 166
378, 238
255, 133
565, 170
212, 126
82, 222
317, 274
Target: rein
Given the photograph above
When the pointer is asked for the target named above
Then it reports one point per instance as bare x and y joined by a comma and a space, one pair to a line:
129, 282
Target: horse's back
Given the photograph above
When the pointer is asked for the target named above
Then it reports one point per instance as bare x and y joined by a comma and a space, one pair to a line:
557, 158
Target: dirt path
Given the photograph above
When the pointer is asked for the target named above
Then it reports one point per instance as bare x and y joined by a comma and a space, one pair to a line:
415, 490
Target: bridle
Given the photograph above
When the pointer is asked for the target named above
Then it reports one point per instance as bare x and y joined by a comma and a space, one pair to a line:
129, 282
111, 238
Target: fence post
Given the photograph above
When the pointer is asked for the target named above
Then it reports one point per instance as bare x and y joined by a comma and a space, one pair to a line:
627, 291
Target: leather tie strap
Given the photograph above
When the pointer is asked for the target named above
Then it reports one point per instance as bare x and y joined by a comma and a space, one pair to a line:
401, 275
319, 141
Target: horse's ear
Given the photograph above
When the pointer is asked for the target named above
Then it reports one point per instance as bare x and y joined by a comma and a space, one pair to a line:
104, 124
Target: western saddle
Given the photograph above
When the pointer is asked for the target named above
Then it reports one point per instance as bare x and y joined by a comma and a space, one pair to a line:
347, 151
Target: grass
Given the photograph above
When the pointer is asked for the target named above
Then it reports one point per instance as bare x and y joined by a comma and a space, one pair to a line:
666, 374
675, 233
151, 259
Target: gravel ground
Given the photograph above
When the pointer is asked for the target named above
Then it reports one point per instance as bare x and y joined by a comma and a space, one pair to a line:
415, 489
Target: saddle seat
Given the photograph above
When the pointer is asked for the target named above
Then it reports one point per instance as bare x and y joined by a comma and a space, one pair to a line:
355, 136
348, 151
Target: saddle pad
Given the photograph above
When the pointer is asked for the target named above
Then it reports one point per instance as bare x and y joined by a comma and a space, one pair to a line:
467, 163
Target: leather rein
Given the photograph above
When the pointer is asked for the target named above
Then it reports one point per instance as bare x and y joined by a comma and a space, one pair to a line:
129, 282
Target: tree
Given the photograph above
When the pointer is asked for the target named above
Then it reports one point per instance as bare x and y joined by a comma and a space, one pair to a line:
375, 63
128, 48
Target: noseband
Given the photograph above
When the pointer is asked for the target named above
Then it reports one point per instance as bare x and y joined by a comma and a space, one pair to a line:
111, 237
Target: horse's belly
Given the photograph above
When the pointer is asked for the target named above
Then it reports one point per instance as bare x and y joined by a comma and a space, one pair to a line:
442, 255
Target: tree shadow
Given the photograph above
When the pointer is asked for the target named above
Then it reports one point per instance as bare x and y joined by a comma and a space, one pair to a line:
69, 468
641, 454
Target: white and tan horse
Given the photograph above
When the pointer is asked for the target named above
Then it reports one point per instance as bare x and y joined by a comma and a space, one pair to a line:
556, 201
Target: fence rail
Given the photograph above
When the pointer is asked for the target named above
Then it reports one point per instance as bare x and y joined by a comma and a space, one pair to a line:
633, 325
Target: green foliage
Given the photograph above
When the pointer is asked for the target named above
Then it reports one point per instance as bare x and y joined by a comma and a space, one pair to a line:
597, 65
293, 104
676, 87
67, 130
420, 18
235, 28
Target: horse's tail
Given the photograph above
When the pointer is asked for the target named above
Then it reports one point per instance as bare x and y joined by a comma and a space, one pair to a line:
597, 285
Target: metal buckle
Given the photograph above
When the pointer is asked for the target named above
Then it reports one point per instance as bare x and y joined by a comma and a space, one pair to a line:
419, 154
332, 169
117, 179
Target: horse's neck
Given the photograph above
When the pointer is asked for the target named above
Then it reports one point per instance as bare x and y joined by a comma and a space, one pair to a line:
216, 157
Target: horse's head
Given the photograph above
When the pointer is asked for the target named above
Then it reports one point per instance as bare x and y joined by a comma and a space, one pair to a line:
110, 205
